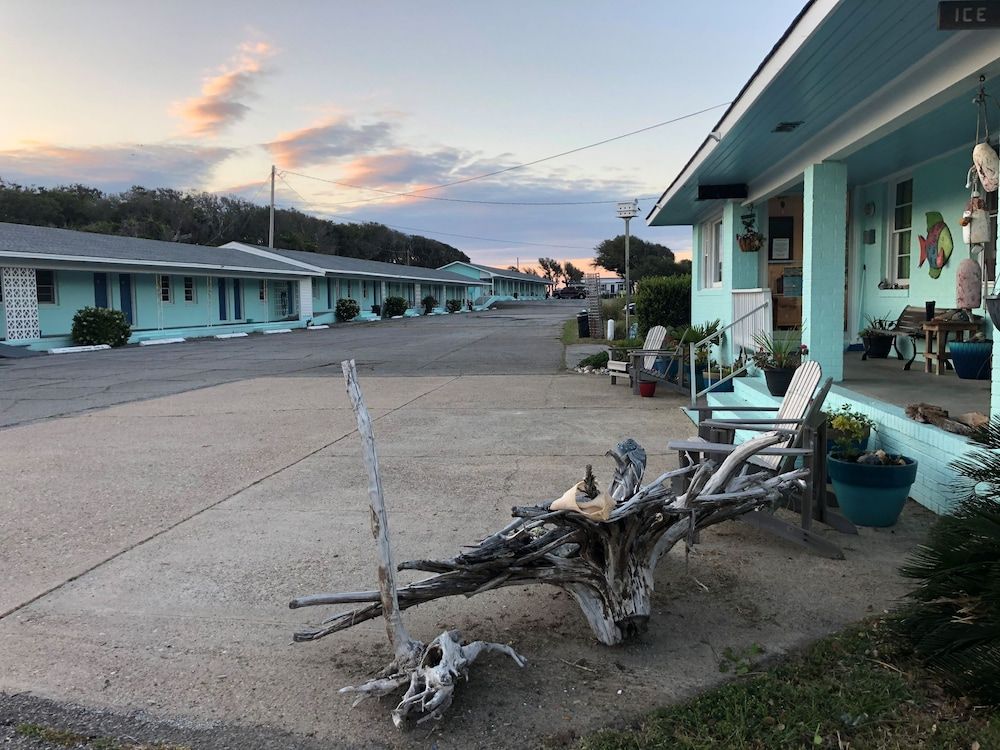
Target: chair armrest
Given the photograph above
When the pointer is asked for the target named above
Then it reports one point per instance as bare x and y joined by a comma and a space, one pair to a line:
739, 422
710, 409
698, 446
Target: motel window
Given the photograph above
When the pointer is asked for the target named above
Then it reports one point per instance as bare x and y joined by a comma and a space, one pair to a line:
899, 259
45, 286
262, 290
165, 291
711, 248
189, 289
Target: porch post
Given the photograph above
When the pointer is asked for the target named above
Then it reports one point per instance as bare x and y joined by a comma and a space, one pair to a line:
742, 267
824, 236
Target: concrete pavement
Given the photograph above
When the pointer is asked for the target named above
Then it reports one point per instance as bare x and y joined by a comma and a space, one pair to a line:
149, 549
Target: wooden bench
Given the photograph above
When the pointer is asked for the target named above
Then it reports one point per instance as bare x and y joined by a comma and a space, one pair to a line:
910, 324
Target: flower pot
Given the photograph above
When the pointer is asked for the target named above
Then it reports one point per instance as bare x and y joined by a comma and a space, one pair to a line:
778, 380
871, 495
993, 307
971, 359
877, 347
647, 389
713, 384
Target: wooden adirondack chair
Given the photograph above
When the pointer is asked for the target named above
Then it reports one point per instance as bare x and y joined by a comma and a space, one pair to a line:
653, 342
800, 418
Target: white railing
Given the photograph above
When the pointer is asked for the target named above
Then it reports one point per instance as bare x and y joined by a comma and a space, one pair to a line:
707, 342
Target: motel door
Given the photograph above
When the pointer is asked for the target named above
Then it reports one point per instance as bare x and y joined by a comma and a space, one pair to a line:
125, 292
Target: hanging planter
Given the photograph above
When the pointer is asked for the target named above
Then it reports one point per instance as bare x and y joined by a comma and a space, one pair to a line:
749, 240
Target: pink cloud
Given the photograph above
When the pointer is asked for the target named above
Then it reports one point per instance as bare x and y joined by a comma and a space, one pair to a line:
328, 140
223, 96
111, 167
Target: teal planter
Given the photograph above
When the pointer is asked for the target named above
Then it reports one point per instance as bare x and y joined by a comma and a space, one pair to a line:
871, 495
971, 359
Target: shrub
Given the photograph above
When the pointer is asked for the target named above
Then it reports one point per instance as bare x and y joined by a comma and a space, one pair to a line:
663, 301
429, 303
453, 305
99, 325
613, 309
347, 309
594, 360
393, 307
953, 620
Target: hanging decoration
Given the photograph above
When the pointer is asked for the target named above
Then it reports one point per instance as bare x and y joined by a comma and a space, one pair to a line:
937, 246
985, 172
750, 240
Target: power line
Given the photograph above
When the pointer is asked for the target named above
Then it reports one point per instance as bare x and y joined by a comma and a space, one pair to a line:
434, 231
417, 193
412, 194
575, 150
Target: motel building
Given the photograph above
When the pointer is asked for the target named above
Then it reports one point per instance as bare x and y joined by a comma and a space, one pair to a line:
172, 289
500, 284
849, 150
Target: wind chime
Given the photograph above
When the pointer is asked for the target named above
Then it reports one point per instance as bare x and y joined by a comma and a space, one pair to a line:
971, 279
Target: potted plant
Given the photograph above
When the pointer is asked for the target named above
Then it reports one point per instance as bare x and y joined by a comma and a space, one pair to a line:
972, 358
848, 428
778, 356
871, 487
877, 337
750, 240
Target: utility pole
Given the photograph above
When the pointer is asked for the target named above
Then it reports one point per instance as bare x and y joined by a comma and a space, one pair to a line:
628, 211
270, 226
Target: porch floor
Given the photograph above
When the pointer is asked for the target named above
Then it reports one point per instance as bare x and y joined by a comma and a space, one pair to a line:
885, 380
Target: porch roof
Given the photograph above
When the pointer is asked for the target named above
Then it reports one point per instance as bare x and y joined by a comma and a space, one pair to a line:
867, 84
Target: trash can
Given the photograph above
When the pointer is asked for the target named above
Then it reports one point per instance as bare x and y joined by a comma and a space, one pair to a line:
583, 324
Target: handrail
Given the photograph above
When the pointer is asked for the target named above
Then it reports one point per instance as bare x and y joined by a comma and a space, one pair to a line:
718, 334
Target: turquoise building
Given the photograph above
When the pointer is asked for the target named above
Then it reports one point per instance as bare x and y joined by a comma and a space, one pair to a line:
171, 289
500, 284
849, 144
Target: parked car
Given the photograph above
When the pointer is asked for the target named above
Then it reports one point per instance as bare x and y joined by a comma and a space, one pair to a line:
571, 291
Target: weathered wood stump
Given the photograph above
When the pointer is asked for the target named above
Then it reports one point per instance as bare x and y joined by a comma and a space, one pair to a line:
607, 566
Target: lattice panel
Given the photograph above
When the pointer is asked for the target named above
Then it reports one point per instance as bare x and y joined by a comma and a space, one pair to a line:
593, 282
20, 300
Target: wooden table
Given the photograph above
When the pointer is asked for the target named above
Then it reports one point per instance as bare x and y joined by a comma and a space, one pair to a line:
936, 334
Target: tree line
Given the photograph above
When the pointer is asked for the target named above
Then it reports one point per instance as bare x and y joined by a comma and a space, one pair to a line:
206, 219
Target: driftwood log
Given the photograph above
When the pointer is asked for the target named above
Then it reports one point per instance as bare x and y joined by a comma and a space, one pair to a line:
430, 672
607, 566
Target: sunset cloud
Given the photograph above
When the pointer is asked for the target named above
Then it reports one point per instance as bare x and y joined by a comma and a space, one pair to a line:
329, 140
224, 95
112, 167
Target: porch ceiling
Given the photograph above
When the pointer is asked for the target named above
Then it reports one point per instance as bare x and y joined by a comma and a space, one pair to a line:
857, 58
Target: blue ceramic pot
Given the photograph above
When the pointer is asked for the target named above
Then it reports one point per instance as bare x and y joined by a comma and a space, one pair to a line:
971, 359
871, 495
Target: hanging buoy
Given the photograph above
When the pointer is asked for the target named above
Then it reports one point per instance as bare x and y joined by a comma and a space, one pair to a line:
968, 285
975, 221
987, 166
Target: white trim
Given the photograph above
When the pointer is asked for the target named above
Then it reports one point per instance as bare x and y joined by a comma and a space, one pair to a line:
39, 260
945, 71
810, 22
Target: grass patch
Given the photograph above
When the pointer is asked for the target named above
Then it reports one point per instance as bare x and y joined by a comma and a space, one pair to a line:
67, 738
570, 332
851, 691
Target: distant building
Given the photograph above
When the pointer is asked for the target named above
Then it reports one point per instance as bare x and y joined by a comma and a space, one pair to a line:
500, 282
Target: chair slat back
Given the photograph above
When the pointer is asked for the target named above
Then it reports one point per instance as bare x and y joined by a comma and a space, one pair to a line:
796, 403
654, 340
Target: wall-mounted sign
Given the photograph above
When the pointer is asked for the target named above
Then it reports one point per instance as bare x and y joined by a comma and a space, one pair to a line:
780, 230
960, 14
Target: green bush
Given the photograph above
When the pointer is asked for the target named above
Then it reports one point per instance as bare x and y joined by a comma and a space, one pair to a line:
453, 305
953, 619
429, 302
663, 301
393, 307
99, 325
347, 309
594, 360
613, 309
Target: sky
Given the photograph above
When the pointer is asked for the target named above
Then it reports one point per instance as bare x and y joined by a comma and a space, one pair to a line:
384, 96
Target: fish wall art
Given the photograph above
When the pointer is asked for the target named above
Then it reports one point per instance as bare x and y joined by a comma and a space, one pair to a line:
937, 246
